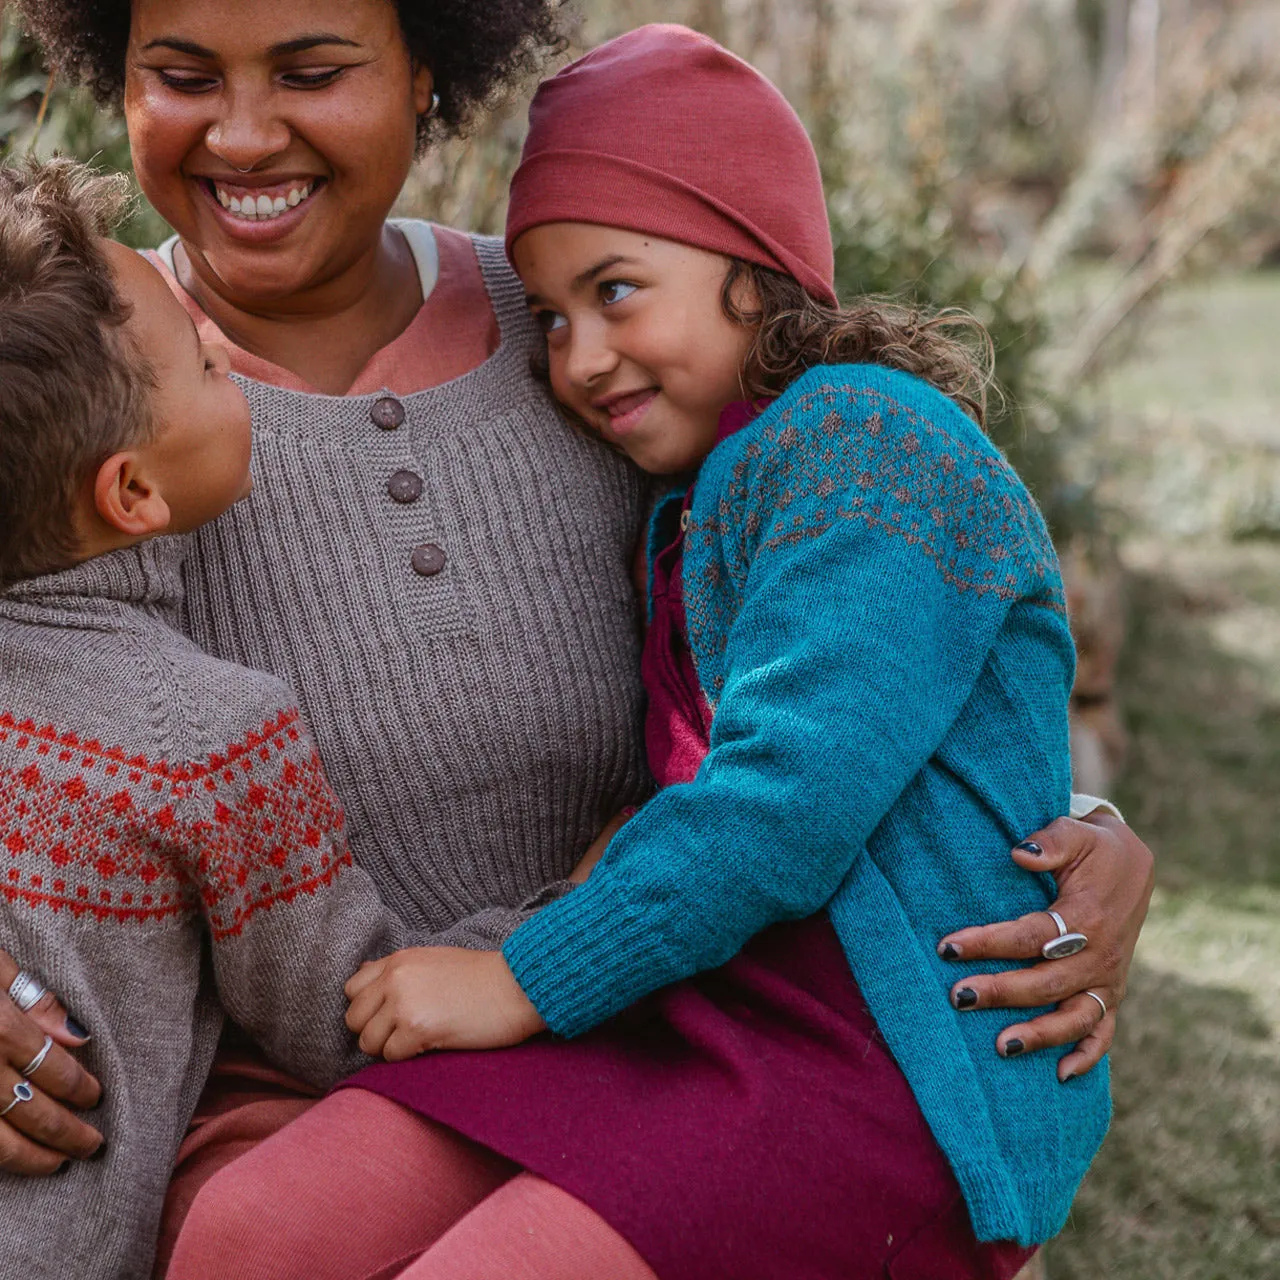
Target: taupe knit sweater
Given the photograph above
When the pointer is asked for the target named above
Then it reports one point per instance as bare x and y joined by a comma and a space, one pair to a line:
482, 722
168, 837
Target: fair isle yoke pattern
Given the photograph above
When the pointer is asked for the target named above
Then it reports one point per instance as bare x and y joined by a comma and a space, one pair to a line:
932, 480
127, 840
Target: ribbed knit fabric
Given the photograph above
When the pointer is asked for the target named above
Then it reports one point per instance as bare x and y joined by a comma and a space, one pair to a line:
876, 616
481, 724
160, 809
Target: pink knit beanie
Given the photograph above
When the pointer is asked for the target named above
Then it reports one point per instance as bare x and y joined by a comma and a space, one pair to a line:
663, 131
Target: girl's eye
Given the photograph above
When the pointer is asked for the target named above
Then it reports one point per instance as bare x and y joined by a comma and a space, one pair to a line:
315, 79
612, 291
187, 82
549, 321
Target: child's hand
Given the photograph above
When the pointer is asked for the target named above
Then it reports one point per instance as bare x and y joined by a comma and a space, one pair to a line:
587, 863
427, 998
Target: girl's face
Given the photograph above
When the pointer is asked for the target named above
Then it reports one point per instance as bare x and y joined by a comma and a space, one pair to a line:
640, 346
318, 102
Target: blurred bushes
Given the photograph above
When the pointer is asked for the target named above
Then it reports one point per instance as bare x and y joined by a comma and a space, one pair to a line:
72, 125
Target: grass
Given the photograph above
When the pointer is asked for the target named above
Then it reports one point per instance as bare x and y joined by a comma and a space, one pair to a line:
1188, 1184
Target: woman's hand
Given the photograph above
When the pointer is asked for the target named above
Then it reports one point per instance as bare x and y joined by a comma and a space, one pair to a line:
36, 1137
425, 998
1105, 875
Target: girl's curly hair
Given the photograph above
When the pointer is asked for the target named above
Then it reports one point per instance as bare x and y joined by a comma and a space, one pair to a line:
950, 349
474, 48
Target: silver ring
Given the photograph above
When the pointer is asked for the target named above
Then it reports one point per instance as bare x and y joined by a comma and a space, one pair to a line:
1066, 943
25, 990
22, 1092
34, 1065
1102, 1004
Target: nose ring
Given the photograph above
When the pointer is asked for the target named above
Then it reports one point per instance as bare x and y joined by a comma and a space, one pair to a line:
239, 170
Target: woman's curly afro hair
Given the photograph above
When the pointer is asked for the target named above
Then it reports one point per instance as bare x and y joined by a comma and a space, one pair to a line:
475, 48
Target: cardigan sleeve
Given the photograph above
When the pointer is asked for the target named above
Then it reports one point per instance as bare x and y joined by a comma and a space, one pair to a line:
853, 649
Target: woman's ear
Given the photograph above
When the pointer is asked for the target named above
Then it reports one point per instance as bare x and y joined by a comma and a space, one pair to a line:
127, 498
424, 84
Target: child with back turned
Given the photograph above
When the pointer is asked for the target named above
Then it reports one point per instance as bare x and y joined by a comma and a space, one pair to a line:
858, 664
171, 846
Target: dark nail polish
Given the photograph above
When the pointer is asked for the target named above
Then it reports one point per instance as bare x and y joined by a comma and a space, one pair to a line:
965, 998
64, 1167
1012, 1048
950, 951
76, 1029
101, 1151
1029, 846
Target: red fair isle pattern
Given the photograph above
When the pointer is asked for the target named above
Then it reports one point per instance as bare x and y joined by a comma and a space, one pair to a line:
96, 832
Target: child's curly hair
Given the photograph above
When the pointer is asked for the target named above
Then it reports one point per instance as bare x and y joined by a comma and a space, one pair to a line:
73, 387
949, 349
474, 48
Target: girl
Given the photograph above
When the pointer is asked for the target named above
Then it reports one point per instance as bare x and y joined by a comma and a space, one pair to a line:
858, 664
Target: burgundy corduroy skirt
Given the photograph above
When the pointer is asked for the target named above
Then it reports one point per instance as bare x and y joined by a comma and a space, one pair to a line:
749, 1124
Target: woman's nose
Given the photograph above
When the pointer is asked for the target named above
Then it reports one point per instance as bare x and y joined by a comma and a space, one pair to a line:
247, 131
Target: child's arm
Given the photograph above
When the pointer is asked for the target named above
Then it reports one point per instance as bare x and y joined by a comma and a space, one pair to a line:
289, 914
863, 623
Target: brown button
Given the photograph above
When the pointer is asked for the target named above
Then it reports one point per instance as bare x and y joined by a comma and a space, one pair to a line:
427, 560
405, 486
387, 413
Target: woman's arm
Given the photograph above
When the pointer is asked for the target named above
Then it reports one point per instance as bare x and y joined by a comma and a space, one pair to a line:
1105, 875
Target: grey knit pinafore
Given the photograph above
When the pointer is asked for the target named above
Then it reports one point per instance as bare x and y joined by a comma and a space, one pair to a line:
444, 579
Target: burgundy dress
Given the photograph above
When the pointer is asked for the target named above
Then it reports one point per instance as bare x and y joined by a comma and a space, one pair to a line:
748, 1123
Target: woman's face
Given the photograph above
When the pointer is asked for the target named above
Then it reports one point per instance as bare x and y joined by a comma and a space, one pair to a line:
273, 137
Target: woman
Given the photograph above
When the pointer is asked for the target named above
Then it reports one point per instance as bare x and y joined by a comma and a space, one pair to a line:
434, 562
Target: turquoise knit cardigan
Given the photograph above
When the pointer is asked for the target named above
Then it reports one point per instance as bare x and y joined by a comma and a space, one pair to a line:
877, 618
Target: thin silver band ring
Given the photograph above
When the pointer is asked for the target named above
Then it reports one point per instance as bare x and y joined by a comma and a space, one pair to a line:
22, 1092
1102, 1004
34, 1065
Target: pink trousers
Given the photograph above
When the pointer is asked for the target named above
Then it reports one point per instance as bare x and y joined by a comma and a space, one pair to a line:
408, 1198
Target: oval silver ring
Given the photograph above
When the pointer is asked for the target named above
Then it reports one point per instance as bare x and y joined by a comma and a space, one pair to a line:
1102, 1004
1066, 943
22, 1092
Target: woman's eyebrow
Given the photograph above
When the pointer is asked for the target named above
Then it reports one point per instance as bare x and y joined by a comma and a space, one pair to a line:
298, 45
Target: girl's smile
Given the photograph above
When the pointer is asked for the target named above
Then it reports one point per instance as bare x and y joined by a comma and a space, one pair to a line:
639, 344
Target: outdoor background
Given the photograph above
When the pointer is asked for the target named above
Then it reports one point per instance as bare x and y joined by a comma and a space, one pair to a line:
1098, 180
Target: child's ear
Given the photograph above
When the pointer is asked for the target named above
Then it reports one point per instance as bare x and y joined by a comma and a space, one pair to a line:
127, 498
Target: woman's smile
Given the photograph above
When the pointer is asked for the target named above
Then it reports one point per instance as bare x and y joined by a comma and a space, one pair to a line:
260, 212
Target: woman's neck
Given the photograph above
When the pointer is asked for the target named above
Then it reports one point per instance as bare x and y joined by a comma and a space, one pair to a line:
325, 335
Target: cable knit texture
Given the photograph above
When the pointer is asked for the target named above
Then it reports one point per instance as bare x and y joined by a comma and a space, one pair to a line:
168, 838
482, 724
877, 618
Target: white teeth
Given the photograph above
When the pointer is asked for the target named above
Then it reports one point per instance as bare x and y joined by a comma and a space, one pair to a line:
268, 207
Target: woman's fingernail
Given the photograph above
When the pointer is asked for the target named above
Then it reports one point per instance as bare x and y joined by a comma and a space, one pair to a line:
965, 998
1029, 846
101, 1152
1068, 1075
949, 951
76, 1029
62, 1168
1012, 1048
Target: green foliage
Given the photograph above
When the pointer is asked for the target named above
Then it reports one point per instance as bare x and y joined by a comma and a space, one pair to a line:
72, 125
